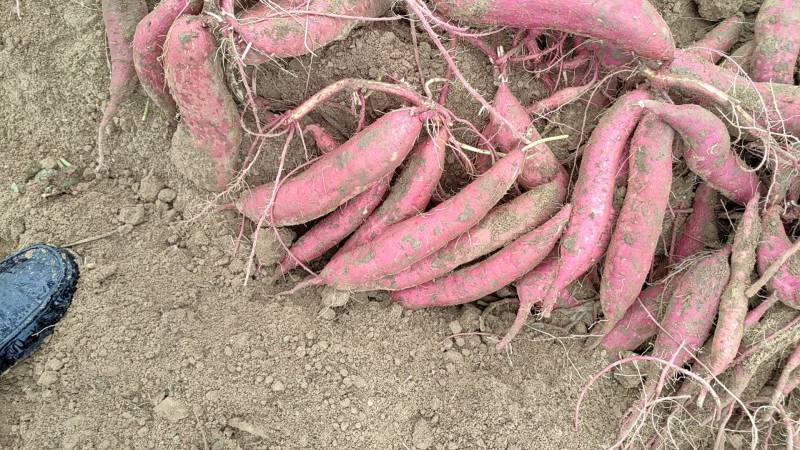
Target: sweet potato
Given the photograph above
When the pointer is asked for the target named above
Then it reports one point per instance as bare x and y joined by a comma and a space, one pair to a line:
629, 25
491, 274
594, 192
717, 42
708, 149
774, 242
195, 78
325, 142
633, 242
692, 307
501, 225
334, 227
413, 239
120, 18
507, 105
637, 325
298, 30
340, 175
733, 303
411, 191
777, 41
740, 60
148, 44
700, 230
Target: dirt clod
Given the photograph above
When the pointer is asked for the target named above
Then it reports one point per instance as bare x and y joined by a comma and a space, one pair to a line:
171, 409
422, 436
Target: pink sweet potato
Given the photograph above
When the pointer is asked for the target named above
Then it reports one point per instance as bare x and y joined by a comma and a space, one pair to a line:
733, 303
334, 227
340, 175
413, 239
700, 230
629, 25
717, 42
148, 43
325, 142
491, 274
774, 242
777, 41
692, 307
740, 60
594, 192
411, 192
637, 325
195, 78
708, 149
638, 227
299, 29
502, 224
120, 18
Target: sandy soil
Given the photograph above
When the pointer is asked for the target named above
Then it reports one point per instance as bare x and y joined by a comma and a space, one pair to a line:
165, 348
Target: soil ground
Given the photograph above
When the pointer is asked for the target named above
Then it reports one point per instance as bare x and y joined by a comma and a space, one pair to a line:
164, 347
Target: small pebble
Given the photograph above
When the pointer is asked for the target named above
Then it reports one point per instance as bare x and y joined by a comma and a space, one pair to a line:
278, 386
167, 195
422, 436
48, 163
327, 314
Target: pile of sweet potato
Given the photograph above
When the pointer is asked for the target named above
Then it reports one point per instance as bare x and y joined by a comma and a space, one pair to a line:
696, 293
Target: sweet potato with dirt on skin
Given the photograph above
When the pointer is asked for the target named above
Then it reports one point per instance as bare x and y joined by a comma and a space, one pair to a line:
334, 227
413, 239
733, 303
740, 61
635, 25
718, 42
637, 325
325, 142
777, 41
337, 176
593, 195
708, 149
692, 307
700, 230
491, 274
120, 18
298, 29
502, 224
411, 192
774, 243
148, 46
638, 227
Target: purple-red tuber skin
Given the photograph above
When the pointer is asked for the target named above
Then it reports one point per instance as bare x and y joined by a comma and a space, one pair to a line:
502, 224
325, 142
777, 41
718, 42
120, 18
692, 308
638, 228
733, 302
774, 243
148, 46
489, 275
632, 25
340, 175
700, 229
708, 149
636, 326
272, 33
413, 239
334, 227
594, 193
410, 193
194, 75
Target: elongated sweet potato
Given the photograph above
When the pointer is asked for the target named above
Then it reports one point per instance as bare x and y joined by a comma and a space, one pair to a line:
633, 242
411, 192
195, 78
298, 29
340, 175
774, 242
334, 227
700, 230
637, 324
594, 192
491, 274
717, 42
629, 25
733, 302
148, 46
777, 41
502, 224
325, 142
120, 18
413, 239
740, 60
708, 150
